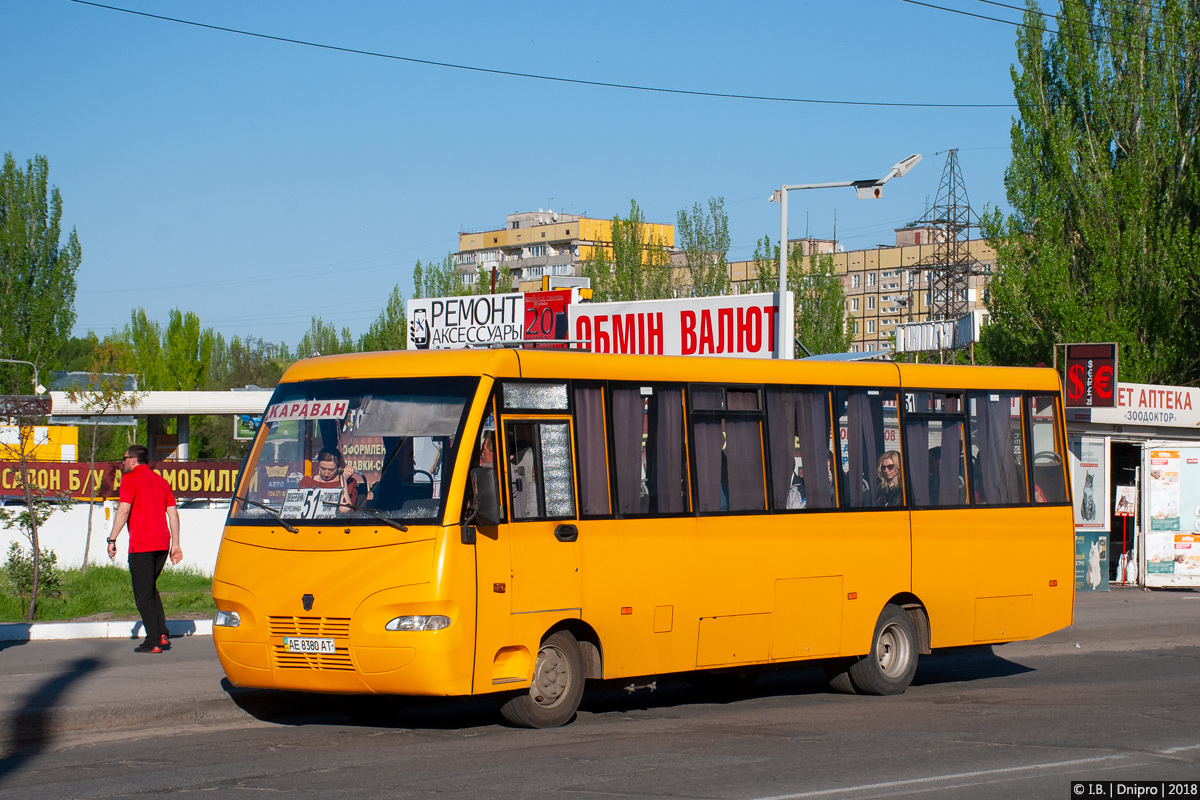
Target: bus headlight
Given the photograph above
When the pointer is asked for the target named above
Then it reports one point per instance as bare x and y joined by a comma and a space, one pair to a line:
227, 619
418, 623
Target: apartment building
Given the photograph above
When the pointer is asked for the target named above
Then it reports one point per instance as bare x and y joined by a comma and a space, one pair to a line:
536, 243
888, 285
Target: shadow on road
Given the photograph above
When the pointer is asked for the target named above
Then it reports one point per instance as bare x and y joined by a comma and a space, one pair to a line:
30, 726
956, 664
374, 711
602, 697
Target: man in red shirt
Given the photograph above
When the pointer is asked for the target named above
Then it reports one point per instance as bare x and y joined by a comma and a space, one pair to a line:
147, 505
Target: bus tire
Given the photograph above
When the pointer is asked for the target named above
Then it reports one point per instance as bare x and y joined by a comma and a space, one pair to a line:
837, 674
557, 687
890, 666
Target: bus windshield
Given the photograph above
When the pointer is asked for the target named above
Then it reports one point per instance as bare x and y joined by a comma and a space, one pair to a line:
355, 450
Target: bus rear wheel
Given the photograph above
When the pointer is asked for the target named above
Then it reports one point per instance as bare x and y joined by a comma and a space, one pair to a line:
557, 687
890, 666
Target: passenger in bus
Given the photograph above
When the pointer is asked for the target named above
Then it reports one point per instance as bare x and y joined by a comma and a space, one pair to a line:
796, 497
487, 449
888, 472
332, 472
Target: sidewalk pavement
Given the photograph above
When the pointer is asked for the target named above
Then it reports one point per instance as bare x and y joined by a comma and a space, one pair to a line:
52, 688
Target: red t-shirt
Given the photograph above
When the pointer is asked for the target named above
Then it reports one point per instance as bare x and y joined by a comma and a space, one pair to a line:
149, 497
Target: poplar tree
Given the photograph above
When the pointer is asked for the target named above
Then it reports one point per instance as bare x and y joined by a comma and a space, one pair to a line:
636, 267
389, 331
819, 311
1101, 244
37, 272
704, 238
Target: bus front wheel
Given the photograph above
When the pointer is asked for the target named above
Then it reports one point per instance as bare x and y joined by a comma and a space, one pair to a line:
557, 686
890, 666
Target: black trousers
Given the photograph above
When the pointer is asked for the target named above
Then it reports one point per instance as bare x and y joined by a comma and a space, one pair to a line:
144, 569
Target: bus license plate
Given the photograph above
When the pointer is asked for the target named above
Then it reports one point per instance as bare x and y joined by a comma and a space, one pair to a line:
300, 644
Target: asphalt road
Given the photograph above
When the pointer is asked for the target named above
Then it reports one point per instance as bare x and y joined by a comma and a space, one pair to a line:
1021, 722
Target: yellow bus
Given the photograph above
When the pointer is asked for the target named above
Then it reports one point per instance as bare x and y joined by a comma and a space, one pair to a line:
516, 522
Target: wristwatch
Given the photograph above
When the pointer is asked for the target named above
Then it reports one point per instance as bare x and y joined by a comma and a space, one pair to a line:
111, 541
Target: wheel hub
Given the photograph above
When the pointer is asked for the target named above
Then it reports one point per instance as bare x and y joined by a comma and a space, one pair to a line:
551, 677
893, 651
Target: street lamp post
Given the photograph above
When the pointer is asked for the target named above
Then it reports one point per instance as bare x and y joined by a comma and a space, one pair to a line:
870, 189
37, 385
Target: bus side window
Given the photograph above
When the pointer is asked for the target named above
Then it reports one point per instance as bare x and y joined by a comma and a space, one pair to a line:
539, 469
1049, 482
801, 449
933, 441
997, 449
870, 436
727, 444
592, 456
648, 450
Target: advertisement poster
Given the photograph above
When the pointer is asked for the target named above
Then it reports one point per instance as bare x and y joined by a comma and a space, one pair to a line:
546, 315
1091, 375
1173, 554
1144, 404
1091, 561
451, 323
730, 325
1126, 501
1164, 490
1088, 457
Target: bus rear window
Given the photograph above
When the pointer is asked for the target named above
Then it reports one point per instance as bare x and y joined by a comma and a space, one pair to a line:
355, 450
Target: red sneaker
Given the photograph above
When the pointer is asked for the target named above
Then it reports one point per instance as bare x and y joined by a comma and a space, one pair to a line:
147, 647
165, 641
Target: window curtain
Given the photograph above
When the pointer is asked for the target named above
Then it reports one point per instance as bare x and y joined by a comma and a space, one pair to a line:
950, 491
628, 419
668, 475
782, 417
744, 465
994, 437
816, 447
593, 465
707, 439
864, 447
916, 446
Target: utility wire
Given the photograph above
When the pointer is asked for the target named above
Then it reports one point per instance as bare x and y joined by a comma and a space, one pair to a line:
1038, 28
553, 78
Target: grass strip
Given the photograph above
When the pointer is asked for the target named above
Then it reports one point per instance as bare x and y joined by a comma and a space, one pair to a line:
106, 588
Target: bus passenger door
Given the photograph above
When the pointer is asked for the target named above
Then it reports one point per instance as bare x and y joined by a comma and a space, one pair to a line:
542, 529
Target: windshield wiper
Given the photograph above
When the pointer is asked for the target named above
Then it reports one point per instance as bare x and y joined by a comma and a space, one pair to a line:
270, 510
374, 512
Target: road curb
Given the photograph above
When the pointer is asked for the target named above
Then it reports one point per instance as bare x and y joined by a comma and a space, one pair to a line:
37, 725
119, 629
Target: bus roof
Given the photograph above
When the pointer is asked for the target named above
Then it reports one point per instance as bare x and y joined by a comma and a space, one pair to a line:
559, 365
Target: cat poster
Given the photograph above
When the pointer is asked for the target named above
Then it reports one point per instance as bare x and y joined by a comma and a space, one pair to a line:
1089, 480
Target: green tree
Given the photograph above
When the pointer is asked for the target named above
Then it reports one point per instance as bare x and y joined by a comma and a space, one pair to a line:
704, 238
143, 340
389, 331
819, 310
639, 267
820, 303
322, 338
1101, 244
442, 279
247, 362
26, 415
105, 390
187, 350
37, 274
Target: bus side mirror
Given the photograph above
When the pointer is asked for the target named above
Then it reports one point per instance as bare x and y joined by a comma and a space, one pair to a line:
487, 496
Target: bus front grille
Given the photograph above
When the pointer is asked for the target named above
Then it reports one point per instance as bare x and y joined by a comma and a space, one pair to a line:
326, 661
337, 627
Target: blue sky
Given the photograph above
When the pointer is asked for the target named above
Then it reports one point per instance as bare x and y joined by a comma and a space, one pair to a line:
259, 183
